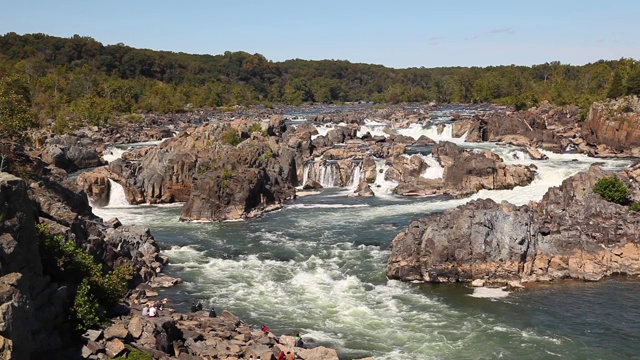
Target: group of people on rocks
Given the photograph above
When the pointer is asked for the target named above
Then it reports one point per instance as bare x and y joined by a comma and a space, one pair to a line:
198, 307
151, 309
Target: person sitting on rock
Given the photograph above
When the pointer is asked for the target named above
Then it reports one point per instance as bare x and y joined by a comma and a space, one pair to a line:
281, 356
265, 329
153, 312
199, 306
159, 305
145, 310
299, 342
194, 308
212, 312
290, 356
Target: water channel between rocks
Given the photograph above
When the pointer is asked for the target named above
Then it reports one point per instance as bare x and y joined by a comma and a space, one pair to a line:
318, 267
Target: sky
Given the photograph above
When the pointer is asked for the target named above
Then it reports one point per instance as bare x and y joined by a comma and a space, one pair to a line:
396, 34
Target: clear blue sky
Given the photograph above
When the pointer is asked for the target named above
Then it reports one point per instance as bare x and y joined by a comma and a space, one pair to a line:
393, 33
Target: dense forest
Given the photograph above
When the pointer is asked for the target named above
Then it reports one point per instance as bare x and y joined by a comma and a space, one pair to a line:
65, 82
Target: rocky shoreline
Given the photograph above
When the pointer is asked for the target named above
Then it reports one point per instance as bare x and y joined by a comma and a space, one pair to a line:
235, 165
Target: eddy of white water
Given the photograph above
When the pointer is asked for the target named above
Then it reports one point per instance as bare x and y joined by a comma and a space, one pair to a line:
318, 267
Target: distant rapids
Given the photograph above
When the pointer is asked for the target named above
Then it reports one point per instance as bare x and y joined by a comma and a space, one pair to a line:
318, 267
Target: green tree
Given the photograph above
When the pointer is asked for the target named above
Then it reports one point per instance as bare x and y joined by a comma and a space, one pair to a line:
616, 88
15, 108
633, 82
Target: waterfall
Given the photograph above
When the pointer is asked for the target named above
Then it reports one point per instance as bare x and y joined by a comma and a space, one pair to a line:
373, 127
356, 177
382, 186
328, 175
305, 174
435, 170
431, 131
116, 195
112, 154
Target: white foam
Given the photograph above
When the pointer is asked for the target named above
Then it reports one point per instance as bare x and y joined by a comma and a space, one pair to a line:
489, 293
323, 129
431, 131
435, 170
326, 206
112, 154
381, 186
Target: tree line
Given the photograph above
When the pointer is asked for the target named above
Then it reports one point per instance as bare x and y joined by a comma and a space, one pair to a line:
65, 82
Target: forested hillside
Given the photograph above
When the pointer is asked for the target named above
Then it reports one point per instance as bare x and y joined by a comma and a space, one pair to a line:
80, 81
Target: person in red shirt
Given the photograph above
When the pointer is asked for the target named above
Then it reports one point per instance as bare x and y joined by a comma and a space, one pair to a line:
281, 356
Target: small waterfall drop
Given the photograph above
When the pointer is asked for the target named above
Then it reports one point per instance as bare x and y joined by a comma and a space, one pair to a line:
356, 177
305, 174
435, 170
431, 131
116, 195
112, 154
382, 186
328, 175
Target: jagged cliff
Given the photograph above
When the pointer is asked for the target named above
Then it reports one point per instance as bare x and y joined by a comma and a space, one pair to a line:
614, 123
34, 316
32, 312
571, 233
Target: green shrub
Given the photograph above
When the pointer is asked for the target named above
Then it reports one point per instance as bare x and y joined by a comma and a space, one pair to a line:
231, 137
134, 354
635, 206
227, 173
63, 261
613, 190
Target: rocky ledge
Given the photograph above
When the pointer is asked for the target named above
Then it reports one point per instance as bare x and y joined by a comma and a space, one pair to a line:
571, 233
194, 336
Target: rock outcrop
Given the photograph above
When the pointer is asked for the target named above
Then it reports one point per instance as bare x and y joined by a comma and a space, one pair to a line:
34, 310
31, 307
615, 124
570, 233
549, 127
463, 173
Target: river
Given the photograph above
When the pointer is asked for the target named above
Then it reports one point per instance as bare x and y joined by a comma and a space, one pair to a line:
318, 267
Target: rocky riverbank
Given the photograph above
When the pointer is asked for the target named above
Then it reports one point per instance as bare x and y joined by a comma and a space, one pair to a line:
35, 310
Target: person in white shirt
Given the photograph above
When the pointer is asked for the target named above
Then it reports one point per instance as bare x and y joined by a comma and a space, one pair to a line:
153, 311
145, 310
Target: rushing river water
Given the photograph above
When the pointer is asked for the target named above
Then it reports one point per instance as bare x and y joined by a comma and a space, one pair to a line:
318, 267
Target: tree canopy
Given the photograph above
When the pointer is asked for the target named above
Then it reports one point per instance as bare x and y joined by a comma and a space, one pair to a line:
78, 80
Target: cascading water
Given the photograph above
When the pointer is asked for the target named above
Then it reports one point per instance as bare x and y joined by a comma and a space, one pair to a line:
382, 186
112, 154
329, 175
318, 267
432, 132
356, 177
305, 173
117, 196
434, 171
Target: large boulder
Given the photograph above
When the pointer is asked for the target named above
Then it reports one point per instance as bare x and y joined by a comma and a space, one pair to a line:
71, 153
466, 172
556, 238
